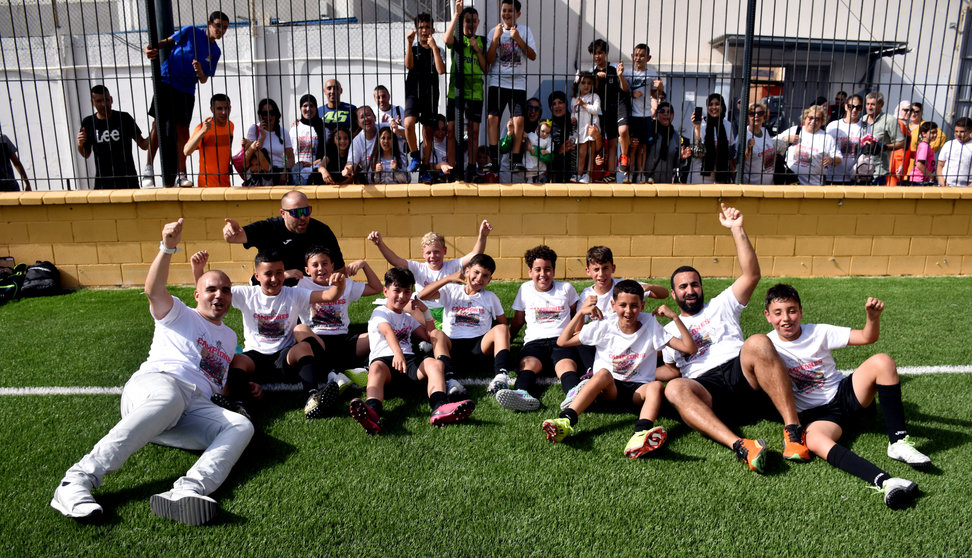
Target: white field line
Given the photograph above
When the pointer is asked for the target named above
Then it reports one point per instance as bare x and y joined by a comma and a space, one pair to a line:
83, 390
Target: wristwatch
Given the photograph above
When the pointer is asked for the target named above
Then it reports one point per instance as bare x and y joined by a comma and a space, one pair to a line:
162, 248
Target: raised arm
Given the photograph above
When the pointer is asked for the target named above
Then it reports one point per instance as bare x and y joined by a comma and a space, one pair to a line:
160, 300
732, 219
337, 280
431, 291
198, 263
872, 327
374, 282
686, 344
450, 32
484, 229
570, 336
654, 291
388, 253
196, 138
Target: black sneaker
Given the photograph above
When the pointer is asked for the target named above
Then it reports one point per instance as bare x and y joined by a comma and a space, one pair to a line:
518, 167
235, 406
321, 400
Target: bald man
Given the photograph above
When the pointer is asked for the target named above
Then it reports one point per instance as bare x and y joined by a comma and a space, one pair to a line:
168, 400
335, 113
291, 234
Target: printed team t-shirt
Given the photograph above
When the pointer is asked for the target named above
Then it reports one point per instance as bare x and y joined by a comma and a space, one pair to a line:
813, 372
402, 325
631, 357
330, 318
848, 138
547, 313
806, 157
216, 156
509, 70
269, 321
467, 316
191, 348
424, 275
603, 300
716, 332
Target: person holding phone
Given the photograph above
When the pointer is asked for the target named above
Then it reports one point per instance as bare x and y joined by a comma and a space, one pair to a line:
718, 159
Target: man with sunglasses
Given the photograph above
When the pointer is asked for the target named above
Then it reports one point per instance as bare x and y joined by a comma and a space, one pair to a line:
291, 234
847, 132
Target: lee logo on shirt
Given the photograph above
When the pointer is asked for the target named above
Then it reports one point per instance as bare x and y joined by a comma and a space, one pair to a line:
107, 136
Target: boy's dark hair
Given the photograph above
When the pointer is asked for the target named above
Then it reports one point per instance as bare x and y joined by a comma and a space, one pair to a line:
919, 105
424, 17
683, 269
484, 261
99, 90
927, 127
596, 45
964, 122
554, 95
782, 292
441, 118
217, 16
542, 252
316, 249
468, 10
842, 92
645, 47
218, 97
400, 277
267, 255
599, 255
380, 87
628, 286
516, 4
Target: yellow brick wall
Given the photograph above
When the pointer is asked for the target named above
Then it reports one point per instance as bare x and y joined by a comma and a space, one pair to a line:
104, 238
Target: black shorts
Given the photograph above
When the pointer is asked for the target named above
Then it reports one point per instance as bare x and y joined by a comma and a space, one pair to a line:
411, 368
469, 353
473, 110
626, 392
733, 399
548, 353
272, 367
178, 104
844, 409
423, 107
586, 354
638, 129
497, 100
341, 350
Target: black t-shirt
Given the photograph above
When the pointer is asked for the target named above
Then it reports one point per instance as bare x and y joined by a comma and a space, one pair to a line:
111, 142
335, 162
8, 182
608, 89
422, 79
273, 233
562, 166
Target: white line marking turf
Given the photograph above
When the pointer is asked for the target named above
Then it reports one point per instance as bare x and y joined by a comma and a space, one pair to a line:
83, 390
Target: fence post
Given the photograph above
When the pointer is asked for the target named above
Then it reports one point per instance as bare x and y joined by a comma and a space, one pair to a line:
744, 104
160, 26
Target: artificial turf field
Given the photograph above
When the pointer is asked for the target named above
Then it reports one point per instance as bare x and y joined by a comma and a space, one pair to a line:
493, 485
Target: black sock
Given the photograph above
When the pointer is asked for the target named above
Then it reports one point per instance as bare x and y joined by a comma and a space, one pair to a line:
307, 372
494, 154
849, 462
517, 158
890, 399
570, 415
501, 361
437, 399
525, 379
413, 155
644, 424
316, 348
568, 380
375, 404
446, 361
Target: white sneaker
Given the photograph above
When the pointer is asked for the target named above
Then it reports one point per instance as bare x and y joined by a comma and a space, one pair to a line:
572, 394
455, 390
148, 177
340, 379
584, 179
499, 381
425, 347
898, 493
183, 181
75, 500
517, 400
184, 506
904, 450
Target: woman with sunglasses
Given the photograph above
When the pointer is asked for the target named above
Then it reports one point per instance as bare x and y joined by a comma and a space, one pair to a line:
761, 149
847, 132
815, 151
267, 134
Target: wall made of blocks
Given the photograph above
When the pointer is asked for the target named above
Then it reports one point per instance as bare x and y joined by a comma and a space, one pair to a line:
108, 238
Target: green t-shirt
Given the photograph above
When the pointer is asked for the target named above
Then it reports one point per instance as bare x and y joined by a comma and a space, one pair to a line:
472, 73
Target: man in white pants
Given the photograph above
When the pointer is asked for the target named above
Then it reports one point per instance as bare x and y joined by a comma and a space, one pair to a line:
167, 401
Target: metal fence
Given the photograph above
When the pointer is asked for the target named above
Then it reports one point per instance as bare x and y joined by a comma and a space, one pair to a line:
53, 51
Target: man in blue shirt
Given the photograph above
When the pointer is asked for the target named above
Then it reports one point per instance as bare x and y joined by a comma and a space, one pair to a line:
193, 55
335, 113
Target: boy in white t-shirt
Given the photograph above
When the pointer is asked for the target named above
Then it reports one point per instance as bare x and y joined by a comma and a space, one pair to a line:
829, 403
271, 350
545, 306
468, 313
392, 360
627, 343
955, 157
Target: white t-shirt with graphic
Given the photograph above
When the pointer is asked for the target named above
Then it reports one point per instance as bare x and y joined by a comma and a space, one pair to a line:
330, 318
424, 275
848, 138
547, 313
402, 325
806, 158
190, 347
813, 372
269, 321
509, 71
630, 357
761, 163
467, 316
603, 300
640, 80
716, 332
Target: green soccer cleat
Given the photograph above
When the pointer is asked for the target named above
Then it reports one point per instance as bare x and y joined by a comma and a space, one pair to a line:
557, 429
645, 441
358, 375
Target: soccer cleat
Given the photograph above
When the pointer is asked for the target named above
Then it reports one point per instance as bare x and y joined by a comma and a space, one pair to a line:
557, 429
517, 400
795, 443
587, 375
342, 381
184, 506
321, 400
414, 165
572, 394
366, 416
455, 390
499, 381
898, 493
623, 163
148, 177
183, 181
449, 413
645, 441
224, 402
74, 500
753, 452
904, 450
359, 376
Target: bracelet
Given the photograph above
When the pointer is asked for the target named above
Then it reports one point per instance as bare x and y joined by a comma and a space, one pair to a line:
166, 250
